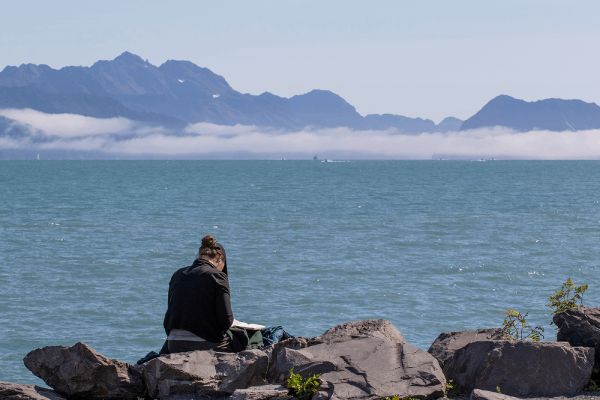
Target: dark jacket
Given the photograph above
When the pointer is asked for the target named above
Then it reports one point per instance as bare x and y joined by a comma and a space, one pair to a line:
199, 302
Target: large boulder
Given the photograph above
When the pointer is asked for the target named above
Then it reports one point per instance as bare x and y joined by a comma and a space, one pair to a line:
81, 372
381, 328
363, 368
485, 395
580, 326
16, 391
204, 373
446, 344
521, 368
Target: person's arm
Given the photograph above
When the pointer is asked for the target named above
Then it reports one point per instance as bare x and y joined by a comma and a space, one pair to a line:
223, 304
165, 321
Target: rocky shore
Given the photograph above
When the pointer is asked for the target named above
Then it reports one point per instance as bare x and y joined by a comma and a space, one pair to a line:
357, 360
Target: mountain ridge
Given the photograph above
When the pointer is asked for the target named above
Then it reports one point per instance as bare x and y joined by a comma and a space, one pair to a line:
185, 91
548, 114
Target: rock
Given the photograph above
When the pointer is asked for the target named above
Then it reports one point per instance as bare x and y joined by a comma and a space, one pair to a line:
273, 351
265, 392
447, 343
485, 395
204, 373
15, 391
363, 368
81, 372
521, 368
380, 328
580, 326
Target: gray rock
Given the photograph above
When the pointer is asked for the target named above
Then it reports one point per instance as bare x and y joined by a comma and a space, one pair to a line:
265, 392
521, 368
580, 326
381, 328
273, 373
485, 395
16, 391
446, 344
204, 373
80, 372
363, 368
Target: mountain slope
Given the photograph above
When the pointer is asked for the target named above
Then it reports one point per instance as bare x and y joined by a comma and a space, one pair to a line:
185, 91
78, 103
550, 114
323, 108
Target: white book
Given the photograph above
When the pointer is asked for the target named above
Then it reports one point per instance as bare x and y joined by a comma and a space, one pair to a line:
250, 327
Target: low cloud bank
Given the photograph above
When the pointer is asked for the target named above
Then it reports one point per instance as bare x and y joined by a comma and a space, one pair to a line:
120, 136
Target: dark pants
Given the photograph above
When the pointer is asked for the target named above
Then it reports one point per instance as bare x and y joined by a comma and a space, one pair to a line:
181, 346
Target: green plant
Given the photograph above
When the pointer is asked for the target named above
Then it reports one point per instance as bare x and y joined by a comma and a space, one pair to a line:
398, 398
592, 385
515, 327
451, 389
498, 389
302, 389
562, 299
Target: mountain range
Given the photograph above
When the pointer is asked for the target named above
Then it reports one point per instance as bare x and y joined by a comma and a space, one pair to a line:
178, 93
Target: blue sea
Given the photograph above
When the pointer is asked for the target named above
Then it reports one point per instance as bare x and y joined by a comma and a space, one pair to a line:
87, 248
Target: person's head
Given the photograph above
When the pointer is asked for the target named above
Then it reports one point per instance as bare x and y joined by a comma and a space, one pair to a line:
212, 252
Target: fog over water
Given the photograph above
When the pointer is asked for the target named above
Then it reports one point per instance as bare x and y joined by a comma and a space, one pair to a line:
124, 137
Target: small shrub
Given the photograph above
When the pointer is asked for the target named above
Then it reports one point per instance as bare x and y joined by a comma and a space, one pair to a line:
515, 327
451, 389
592, 385
302, 389
563, 299
498, 389
398, 398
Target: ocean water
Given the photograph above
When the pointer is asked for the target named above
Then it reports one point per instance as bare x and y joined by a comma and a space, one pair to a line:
87, 248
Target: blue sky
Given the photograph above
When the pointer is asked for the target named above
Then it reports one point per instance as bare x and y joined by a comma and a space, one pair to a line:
428, 59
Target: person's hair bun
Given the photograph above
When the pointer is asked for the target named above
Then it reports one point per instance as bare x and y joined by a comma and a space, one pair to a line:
208, 242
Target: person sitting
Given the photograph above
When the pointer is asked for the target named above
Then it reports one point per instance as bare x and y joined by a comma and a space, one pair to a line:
199, 307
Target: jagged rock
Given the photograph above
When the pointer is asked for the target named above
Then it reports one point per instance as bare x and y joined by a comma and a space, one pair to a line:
381, 328
580, 326
363, 368
81, 372
273, 351
265, 392
521, 368
16, 391
446, 344
485, 395
204, 373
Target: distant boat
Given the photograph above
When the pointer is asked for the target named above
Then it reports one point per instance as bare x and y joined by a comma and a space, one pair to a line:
282, 158
38, 156
327, 160
315, 158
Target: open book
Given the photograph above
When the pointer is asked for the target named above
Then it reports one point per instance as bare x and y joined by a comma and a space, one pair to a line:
250, 327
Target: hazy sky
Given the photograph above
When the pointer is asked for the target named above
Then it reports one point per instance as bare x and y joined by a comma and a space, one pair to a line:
428, 59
